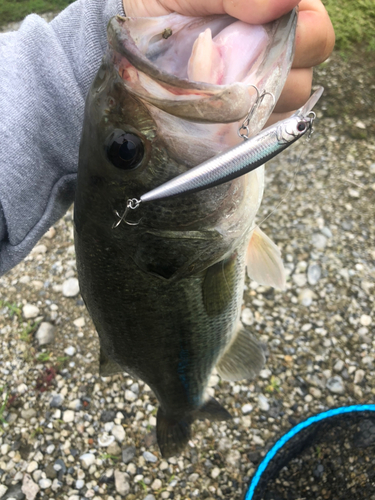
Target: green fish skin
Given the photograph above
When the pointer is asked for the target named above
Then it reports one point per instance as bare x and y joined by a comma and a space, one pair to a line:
165, 294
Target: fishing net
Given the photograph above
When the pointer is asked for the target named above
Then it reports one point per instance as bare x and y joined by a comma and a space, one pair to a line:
330, 456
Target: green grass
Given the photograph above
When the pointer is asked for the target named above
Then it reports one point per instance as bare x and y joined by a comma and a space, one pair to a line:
354, 23
16, 10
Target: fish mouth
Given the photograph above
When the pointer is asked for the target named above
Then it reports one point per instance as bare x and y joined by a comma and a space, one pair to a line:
203, 69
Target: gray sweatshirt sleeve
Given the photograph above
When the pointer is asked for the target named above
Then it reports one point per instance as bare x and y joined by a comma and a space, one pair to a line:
45, 73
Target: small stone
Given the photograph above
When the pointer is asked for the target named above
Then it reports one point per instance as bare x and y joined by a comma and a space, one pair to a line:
319, 241
315, 392
3, 490
156, 484
215, 472
314, 273
29, 488
39, 249
128, 454
247, 317
22, 388
70, 287
80, 483
107, 416
45, 483
119, 432
75, 405
247, 408
299, 279
365, 320
79, 322
45, 334
233, 458
339, 365
68, 416
193, 477
360, 125
24, 280
149, 457
29, 311
359, 376
263, 403
114, 449
336, 385
87, 459
50, 233
306, 297
121, 484
28, 414
149, 497
56, 401
130, 396
265, 374
33, 465
70, 351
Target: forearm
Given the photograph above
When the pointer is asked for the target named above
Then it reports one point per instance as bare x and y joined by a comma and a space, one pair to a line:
45, 73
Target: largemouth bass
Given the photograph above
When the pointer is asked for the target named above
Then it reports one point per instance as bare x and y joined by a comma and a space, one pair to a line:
165, 291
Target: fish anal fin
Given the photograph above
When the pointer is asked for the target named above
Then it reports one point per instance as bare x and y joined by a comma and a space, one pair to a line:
107, 367
172, 434
263, 261
212, 410
243, 359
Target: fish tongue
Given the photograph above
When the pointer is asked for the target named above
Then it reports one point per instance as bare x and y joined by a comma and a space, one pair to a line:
205, 63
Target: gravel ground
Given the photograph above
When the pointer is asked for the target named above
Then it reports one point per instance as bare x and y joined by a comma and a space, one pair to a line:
69, 434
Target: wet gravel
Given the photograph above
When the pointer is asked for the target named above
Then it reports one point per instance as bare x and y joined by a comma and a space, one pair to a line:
67, 433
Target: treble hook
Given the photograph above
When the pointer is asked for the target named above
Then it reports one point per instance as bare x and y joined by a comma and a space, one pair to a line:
131, 204
254, 107
312, 117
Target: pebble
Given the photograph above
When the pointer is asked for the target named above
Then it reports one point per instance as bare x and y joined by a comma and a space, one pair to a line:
299, 279
339, 365
247, 317
87, 459
45, 483
314, 273
45, 334
149, 497
156, 484
68, 416
336, 385
359, 376
247, 408
80, 483
70, 287
119, 432
305, 297
28, 413
149, 457
39, 249
29, 311
215, 472
319, 241
128, 454
3, 490
70, 351
121, 483
263, 403
365, 320
129, 395
79, 322
233, 458
56, 401
105, 440
29, 488
33, 465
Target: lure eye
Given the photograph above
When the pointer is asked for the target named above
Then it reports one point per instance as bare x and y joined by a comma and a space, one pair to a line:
125, 150
301, 127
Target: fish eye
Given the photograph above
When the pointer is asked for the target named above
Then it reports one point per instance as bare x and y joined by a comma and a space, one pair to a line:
301, 127
125, 150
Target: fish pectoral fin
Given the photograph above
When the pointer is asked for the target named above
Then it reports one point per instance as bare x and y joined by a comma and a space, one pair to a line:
263, 261
172, 434
243, 359
219, 285
107, 367
212, 410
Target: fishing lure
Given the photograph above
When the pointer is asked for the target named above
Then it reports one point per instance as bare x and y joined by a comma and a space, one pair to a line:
236, 161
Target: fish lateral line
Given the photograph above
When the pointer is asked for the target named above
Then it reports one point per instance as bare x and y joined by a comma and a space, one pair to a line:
237, 161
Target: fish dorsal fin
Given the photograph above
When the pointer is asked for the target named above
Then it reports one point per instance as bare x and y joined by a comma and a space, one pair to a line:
263, 261
244, 357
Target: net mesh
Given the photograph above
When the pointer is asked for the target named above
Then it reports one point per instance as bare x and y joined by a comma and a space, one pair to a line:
331, 459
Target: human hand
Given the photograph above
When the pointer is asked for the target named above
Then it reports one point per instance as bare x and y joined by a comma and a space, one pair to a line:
315, 37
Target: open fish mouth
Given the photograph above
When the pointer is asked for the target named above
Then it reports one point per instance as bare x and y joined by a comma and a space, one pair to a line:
203, 69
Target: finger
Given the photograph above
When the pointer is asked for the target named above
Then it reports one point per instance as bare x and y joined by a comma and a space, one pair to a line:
296, 91
315, 36
249, 11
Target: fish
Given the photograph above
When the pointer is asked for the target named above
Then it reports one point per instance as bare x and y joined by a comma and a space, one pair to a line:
165, 291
